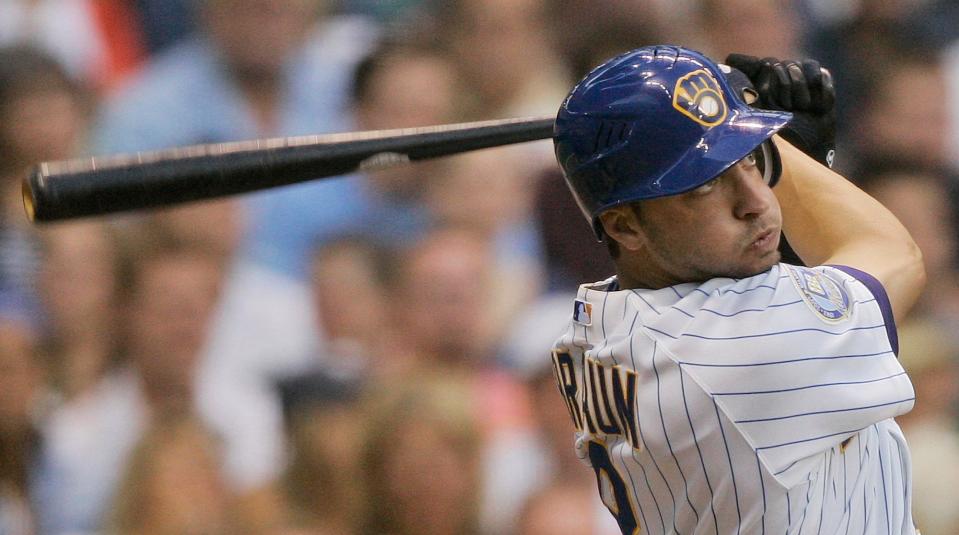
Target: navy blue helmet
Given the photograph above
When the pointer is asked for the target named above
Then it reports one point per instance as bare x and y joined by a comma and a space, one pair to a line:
653, 122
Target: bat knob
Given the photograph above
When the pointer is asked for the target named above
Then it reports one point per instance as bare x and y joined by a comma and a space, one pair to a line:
28, 204
31, 190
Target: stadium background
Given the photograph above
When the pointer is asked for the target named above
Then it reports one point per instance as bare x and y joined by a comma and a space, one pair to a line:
367, 354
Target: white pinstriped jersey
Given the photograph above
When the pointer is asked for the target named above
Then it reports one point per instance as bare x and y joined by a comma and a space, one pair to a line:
749, 406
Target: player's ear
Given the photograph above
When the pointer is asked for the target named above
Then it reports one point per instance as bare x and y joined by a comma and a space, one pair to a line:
621, 223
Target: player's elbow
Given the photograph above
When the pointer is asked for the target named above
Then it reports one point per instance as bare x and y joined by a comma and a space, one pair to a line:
908, 280
916, 266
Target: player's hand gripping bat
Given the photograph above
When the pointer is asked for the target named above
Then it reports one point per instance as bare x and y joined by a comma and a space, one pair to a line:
104, 185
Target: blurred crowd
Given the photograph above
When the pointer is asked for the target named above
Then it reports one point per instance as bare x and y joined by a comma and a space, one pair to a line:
368, 354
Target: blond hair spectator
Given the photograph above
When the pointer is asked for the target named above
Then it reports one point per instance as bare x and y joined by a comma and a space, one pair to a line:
21, 389
421, 460
172, 484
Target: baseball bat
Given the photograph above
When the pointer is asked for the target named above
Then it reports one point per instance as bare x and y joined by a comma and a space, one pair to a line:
109, 184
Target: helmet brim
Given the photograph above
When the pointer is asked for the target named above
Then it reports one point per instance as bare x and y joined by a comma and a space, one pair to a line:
719, 149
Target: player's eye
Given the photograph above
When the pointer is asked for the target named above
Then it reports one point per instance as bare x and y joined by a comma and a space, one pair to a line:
756, 159
707, 187
759, 155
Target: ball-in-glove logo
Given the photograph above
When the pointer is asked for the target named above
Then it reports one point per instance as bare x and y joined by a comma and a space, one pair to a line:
698, 96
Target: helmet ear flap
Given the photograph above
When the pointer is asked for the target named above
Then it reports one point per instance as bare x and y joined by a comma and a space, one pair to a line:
598, 230
773, 169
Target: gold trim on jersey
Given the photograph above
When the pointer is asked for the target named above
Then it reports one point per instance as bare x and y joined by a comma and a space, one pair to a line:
607, 405
611, 401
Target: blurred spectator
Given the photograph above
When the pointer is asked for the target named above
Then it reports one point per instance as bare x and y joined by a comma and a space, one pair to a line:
951, 66
483, 39
922, 202
21, 394
255, 68
98, 41
555, 429
349, 275
268, 323
859, 41
420, 459
506, 55
930, 355
217, 226
612, 27
325, 425
904, 112
405, 83
78, 287
168, 296
756, 27
573, 254
251, 72
560, 508
386, 11
172, 484
929, 23
165, 22
491, 193
42, 117
519, 463
441, 302
546, 453
171, 294
399, 84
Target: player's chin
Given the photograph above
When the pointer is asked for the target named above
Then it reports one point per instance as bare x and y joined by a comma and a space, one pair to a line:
754, 265
769, 260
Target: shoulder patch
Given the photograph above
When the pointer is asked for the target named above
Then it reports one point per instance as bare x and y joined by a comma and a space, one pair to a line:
582, 312
823, 294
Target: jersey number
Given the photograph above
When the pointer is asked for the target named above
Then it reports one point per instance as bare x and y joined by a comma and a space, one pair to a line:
612, 489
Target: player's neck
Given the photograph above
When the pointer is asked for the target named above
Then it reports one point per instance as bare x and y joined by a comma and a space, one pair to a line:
633, 274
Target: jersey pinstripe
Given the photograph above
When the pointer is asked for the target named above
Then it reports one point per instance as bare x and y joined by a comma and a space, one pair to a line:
757, 405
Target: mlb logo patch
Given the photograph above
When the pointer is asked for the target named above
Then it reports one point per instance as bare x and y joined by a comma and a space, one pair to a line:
582, 312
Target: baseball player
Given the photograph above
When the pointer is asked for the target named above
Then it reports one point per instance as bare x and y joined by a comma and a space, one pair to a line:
713, 388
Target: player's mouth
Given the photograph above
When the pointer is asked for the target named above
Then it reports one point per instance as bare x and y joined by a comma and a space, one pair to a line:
765, 241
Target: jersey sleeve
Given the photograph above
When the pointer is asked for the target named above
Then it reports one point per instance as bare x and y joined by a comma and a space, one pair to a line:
799, 359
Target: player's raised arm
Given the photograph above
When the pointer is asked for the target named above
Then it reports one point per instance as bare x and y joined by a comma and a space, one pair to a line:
828, 220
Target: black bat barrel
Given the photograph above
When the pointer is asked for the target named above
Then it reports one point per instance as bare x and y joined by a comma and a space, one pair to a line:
104, 185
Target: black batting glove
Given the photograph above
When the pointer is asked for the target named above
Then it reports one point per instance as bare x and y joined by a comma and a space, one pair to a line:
740, 84
804, 88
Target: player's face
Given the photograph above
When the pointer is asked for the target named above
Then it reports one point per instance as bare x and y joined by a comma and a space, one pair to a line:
728, 227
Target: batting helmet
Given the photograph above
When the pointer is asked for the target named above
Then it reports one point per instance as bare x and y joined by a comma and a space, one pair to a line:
653, 122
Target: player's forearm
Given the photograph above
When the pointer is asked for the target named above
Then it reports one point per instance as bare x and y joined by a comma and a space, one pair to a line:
828, 220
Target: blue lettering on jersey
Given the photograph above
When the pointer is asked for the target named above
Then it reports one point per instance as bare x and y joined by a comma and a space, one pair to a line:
823, 294
609, 400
